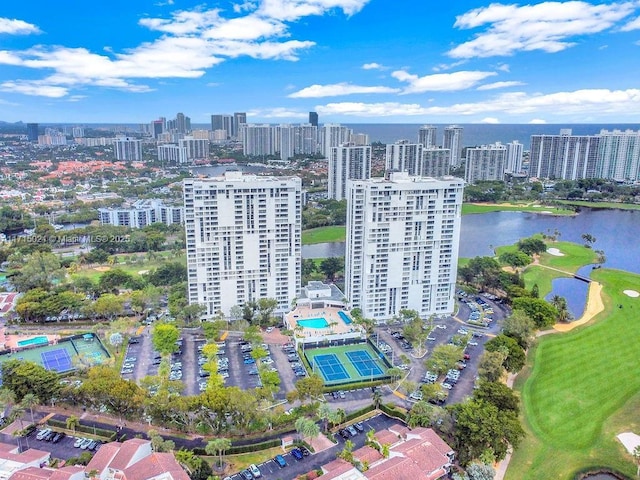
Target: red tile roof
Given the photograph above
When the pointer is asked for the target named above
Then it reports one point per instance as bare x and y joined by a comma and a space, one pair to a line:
155, 465
367, 454
385, 437
126, 453
103, 456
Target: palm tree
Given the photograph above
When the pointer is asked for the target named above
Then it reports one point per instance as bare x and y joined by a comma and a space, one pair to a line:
376, 396
636, 456
7, 398
306, 428
72, 423
29, 401
324, 413
219, 446
18, 412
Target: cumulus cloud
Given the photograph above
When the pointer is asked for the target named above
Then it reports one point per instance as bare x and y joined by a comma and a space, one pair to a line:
632, 25
537, 121
496, 85
546, 26
578, 102
373, 66
490, 120
339, 89
277, 112
190, 43
17, 27
440, 82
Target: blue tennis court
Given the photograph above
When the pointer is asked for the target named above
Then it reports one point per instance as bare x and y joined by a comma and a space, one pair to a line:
330, 367
364, 363
58, 360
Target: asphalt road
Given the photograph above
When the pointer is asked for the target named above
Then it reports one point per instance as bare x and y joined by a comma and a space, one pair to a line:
271, 471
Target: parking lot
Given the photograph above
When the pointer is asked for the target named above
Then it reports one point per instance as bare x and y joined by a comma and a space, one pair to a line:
271, 471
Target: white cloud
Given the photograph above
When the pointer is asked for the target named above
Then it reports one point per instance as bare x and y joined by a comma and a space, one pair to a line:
496, 85
546, 26
490, 120
360, 109
448, 66
503, 67
632, 25
440, 82
191, 42
373, 66
32, 88
537, 121
278, 112
17, 27
579, 102
338, 89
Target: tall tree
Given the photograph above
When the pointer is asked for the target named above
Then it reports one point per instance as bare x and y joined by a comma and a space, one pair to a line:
219, 446
72, 423
41, 270
165, 336
306, 428
30, 401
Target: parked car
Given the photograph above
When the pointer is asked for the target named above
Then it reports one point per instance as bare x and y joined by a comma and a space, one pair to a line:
280, 461
246, 475
78, 442
359, 426
305, 451
297, 454
43, 433
255, 471
352, 431
84, 445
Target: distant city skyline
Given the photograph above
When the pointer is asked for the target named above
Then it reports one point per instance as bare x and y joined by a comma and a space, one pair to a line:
351, 61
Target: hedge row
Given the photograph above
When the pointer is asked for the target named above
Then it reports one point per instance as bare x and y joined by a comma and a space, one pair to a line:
392, 411
111, 435
356, 386
254, 447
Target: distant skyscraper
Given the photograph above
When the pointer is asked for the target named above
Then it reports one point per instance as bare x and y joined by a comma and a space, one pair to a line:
172, 153
313, 118
183, 123
32, 132
564, 156
157, 128
359, 139
243, 239
484, 163
77, 132
515, 150
333, 135
427, 136
257, 140
619, 155
127, 149
195, 148
347, 162
286, 142
436, 162
222, 122
238, 119
453, 141
403, 235
403, 156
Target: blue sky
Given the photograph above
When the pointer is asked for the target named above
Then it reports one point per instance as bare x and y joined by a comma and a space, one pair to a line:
352, 61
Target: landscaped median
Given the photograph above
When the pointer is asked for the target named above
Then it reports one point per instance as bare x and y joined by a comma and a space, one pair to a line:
580, 389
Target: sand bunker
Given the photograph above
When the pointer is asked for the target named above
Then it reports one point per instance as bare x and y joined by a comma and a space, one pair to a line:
631, 293
555, 252
629, 440
102, 269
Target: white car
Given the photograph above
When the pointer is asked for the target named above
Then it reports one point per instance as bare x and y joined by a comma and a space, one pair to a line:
268, 330
417, 395
446, 386
431, 339
462, 331
441, 327
255, 471
404, 366
473, 344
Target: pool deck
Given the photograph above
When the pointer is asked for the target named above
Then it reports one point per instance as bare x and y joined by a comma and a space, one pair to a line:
330, 314
11, 341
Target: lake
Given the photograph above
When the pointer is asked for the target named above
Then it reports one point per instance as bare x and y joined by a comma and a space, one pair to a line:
616, 232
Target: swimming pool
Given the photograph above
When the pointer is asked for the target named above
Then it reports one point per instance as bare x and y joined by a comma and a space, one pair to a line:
33, 341
313, 323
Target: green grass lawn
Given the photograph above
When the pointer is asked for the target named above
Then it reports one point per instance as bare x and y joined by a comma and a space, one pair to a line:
131, 268
582, 390
333, 233
470, 208
575, 256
